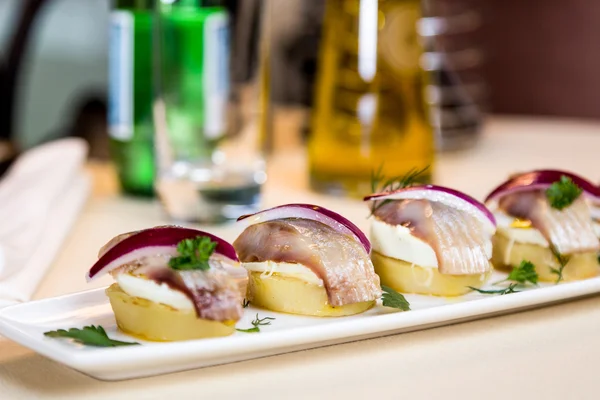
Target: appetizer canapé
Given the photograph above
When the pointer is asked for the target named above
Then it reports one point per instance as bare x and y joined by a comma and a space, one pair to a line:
544, 217
430, 240
304, 259
173, 283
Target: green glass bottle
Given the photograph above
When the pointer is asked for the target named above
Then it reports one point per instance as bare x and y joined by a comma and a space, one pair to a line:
194, 75
130, 94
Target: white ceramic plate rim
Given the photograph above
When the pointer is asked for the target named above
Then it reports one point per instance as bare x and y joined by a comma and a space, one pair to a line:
212, 352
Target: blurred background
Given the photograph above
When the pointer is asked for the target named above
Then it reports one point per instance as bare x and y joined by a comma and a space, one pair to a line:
483, 57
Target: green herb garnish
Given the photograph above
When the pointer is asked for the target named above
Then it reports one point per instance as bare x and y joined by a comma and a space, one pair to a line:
524, 273
193, 254
562, 261
391, 298
245, 303
507, 290
89, 335
380, 183
257, 323
563, 193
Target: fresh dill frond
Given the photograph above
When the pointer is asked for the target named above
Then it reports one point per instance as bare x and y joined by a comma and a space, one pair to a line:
507, 290
562, 262
257, 323
379, 183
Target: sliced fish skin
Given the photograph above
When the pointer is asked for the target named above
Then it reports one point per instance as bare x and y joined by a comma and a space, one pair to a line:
569, 230
460, 242
215, 295
339, 260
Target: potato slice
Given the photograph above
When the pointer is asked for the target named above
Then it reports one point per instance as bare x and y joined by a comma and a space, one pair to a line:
294, 296
158, 322
508, 254
408, 278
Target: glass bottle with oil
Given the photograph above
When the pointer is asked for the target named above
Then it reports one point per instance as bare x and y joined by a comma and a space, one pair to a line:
369, 110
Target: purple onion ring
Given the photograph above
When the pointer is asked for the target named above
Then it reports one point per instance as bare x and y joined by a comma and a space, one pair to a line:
450, 197
540, 180
312, 212
164, 238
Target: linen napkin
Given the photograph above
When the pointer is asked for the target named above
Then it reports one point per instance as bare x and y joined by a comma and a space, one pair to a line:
40, 198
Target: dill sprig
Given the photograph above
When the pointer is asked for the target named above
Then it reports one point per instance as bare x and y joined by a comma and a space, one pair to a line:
379, 183
507, 290
562, 261
257, 323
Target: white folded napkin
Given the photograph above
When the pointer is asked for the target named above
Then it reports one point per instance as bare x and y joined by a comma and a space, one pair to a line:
40, 198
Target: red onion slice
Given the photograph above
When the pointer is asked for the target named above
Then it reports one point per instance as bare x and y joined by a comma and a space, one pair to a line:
312, 212
450, 197
537, 180
159, 241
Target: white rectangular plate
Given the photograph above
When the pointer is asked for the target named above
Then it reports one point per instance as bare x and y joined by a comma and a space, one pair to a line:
25, 324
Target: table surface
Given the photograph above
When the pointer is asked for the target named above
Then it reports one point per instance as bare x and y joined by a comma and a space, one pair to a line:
548, 353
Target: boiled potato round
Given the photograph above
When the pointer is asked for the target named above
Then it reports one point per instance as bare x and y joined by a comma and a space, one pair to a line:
158, 322
294, 296
508, 254
408, 278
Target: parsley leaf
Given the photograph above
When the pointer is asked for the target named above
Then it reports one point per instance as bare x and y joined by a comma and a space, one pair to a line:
524, 273
88, 335
257, 323
391, 298
380, 183
507, 290
562, 261
563, 193
193, 254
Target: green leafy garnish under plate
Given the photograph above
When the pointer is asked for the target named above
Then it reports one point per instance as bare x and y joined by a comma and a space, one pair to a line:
524, 273
391, 298
88, 335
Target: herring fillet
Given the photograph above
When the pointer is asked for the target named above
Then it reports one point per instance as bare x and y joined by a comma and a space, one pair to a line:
337, 259
215, 295
569, 230
459, 240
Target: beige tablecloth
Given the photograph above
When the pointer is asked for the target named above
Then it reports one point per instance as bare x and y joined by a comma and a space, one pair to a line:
549, 353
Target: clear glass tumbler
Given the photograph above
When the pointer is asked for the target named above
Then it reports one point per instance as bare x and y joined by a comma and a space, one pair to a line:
210, 165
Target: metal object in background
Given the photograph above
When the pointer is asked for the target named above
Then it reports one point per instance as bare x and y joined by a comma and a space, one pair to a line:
454, 61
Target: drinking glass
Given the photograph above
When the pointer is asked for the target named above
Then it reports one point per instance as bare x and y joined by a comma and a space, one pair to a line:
210, 164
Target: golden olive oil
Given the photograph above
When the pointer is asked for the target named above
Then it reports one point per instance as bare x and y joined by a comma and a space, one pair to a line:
369, 109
